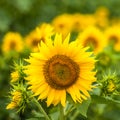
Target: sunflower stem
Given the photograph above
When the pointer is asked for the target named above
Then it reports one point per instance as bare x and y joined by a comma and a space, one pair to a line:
41, 109
70, 110
62, 116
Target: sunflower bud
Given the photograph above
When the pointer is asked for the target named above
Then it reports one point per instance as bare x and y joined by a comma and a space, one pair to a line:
110, 84
17, 74
19, 97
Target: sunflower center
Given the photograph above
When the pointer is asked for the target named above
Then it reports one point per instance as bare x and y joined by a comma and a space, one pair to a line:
12, 45
61, 72
42, 39
113, 39
91, 41
61, 26
35, 42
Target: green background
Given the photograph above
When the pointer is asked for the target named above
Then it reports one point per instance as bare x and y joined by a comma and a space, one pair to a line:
24, 15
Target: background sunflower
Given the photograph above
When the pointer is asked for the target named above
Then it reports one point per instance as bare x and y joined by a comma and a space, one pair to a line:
24, 16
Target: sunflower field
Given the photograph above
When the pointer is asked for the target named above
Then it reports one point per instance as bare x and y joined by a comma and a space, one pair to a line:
59, 60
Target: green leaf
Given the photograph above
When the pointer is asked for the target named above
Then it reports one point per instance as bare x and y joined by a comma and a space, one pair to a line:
37, 114
23, 6
33, 119
83, 108
54, 113
103, 100
5, 20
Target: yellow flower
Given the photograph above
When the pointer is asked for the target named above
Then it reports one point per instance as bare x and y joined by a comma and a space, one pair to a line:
115, 22
60, 68
102, 11
78, 22
101, 16
41, 33
113, 36
81, 21
14, 76
88, 20
63, 24
12, 41
94, 38
16, 98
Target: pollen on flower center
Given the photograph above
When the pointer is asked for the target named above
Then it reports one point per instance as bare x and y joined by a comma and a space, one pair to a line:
61, 72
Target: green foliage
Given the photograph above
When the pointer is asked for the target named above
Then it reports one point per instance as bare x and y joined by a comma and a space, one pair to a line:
104, 100
23, 16
83, 108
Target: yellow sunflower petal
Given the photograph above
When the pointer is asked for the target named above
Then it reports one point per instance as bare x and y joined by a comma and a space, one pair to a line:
50, 97
71, 92
63, 97
43, 95
40, 89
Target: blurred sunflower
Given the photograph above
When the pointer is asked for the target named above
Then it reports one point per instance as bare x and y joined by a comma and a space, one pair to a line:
12, 41
101, 16
60, 68
113, 36
41, 33
78, 20
88, 20
81, 21
115, 22
16, 98
94, 38
63, 24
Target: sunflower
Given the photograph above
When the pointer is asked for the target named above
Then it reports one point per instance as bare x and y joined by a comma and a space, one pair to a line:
81, 21
94, 38
12, 41
88, 20
41, 33
113, 36
78, 22
16, 98
101, 16
63, 24
60, 68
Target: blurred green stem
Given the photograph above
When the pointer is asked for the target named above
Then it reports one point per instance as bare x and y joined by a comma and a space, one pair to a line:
41, 109
62, 116
73, 117
70, 110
